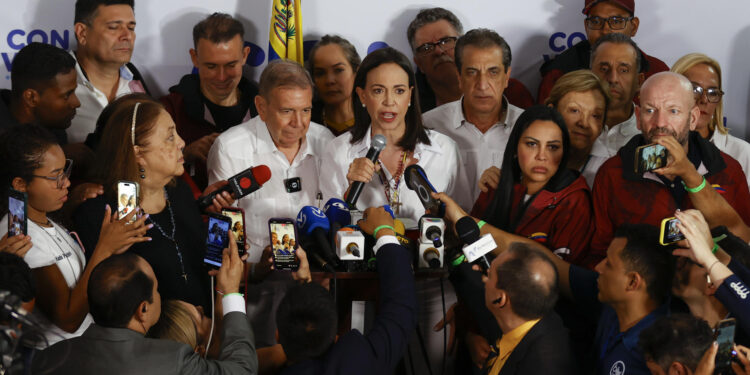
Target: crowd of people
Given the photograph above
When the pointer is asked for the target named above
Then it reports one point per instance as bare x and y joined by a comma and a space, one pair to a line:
579, 282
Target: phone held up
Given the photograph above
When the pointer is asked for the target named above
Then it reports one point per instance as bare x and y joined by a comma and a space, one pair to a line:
724, 336
283, 235
238, 225
217, 238
17, 219
127, 198
670, 233
650, 157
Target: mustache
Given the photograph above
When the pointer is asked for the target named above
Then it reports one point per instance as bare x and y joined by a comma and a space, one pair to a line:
442, 59
661, 131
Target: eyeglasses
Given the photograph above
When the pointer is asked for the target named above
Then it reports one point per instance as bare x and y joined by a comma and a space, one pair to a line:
60, 178
615, 22
713, 95
446, 44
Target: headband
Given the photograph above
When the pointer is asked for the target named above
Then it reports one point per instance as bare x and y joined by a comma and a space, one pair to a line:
132, 125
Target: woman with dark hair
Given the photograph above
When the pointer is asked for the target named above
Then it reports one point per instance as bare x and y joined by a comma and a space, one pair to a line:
538, 197
139, 143
386, 103
34, 164
332, 64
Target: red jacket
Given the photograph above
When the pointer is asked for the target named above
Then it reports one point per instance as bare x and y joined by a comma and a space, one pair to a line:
560, 219
621, 196
579, 57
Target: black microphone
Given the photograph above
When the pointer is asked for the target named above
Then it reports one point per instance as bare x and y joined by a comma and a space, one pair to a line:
240, 185
468, 231
377, 145
312, 223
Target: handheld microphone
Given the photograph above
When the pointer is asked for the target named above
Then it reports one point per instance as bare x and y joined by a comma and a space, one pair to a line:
239, 185
476, 248
313, 223
337, 213
416, 179
376, 145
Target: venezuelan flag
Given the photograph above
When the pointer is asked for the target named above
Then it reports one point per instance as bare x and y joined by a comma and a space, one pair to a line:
539, 237
285, 35
719, 189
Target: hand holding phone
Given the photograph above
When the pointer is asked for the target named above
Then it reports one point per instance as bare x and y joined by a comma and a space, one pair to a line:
238, 226
650, 157
17, 213
724, 336
127, 198
670, 232
217, 238
283, 235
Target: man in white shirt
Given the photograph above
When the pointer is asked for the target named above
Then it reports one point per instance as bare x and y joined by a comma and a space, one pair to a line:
616, 60
283, 138
481, 121
105, 31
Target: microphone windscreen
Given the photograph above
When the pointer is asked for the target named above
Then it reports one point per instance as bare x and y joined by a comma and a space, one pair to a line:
311, 218
467, 230
262, 174
337, 212
398, 227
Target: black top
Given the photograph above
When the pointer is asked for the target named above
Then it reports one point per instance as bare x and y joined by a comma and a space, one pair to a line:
226, 117
160, 252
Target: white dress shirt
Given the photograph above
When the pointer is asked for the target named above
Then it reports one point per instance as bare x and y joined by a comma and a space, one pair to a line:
94, 100
617, 136
440, 160
250, 144
479, 151
734, 147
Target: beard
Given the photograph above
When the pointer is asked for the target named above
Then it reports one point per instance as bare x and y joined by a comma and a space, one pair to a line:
681, 137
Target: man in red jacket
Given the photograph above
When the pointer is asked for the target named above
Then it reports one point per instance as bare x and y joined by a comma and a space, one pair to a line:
697, 174
602, 17
218, 97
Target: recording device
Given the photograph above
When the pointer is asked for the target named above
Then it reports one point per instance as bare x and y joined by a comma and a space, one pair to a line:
724, 336
350, 244
376, 145
239, 185
670, 233
477, 247
238, 225
431, 248
17, 213
217, 238
416, 179
650, 157
127, 198
283, 243
313, 226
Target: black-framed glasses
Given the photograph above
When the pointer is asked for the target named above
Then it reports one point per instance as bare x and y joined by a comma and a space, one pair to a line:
446, 44
713, 95
615, 22
64, 174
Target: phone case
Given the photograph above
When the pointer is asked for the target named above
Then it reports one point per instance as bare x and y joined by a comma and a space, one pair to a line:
217, 238
284, 257
665, 231
644, 164
123, 208
239, 233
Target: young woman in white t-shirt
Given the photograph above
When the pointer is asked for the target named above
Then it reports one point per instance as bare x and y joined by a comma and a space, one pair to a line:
33, 162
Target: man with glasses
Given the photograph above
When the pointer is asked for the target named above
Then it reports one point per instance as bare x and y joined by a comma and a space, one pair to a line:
481, 121
602, 17
432, 36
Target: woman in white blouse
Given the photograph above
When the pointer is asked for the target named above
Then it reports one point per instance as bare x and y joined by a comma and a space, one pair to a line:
386, 103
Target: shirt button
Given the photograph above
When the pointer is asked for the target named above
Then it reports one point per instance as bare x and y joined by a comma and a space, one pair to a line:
672, 186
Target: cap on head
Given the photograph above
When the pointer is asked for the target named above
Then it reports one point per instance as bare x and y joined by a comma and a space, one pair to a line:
628, 5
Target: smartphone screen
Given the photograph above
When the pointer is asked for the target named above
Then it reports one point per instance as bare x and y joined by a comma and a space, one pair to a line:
238, 226
283, 243
16, 213
670, 233
127, 198
217, 238
650, 157
725, 338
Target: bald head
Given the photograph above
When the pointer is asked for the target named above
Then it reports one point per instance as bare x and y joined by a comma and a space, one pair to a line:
667, 107
669, 81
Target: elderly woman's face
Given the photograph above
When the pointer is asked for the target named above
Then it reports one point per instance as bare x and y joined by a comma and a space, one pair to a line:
583, 112
387, 96
162, 153
706, 77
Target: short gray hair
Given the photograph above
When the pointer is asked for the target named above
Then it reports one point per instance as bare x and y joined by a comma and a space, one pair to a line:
482, 38
617, 38
283, 72
430, 15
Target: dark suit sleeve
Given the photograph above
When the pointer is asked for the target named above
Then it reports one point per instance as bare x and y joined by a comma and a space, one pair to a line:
237, 355
545, 350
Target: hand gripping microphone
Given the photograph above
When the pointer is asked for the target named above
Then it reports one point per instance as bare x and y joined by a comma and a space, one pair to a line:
376, 145
476, 248
312, 223
240, 185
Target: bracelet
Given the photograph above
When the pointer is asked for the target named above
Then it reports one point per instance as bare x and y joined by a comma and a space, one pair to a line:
712, 266
219, 291
481, 223
231, 294
375, 232
695, 189
459, 260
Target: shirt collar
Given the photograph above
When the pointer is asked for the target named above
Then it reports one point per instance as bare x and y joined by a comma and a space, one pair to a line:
630, 340
461, 118
627, 128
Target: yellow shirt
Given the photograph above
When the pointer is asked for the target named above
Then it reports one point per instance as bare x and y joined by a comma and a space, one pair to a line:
507, 343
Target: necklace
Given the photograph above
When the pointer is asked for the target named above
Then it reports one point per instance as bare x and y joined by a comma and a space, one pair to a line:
391, 194
57, 241
171, 237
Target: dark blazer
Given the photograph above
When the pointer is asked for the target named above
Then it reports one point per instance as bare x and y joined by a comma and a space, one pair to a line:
112, 351
385, 343
545, 349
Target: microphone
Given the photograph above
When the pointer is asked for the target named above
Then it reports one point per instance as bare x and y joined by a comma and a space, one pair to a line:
430, 244
338, 214
240, 185
313, 223
416, 179
376, 145
477, 248
350, 244
431, 257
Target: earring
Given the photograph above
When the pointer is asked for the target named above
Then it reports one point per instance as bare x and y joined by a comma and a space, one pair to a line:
143, 171
409, 105
363, 105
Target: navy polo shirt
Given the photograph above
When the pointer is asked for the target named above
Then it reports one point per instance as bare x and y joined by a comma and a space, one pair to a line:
615, 352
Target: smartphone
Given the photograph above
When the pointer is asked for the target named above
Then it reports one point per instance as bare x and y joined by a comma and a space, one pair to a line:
669, 231
284, 243
650, 157
127, 198
238, 225
217, 238
724, 336
416, 179
17, 223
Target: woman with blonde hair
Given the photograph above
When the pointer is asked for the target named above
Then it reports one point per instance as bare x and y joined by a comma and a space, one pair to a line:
705, 74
